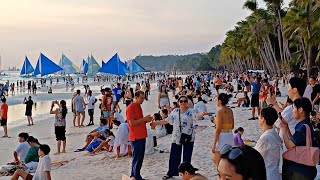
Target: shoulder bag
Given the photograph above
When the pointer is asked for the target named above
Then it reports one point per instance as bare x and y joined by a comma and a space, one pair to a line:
306, 155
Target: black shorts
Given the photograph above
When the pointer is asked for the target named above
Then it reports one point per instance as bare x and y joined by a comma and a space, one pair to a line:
28, 113
60, 132
218, 87
255, 100
3, 122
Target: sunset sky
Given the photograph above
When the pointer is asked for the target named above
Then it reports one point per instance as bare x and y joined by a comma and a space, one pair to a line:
104, 27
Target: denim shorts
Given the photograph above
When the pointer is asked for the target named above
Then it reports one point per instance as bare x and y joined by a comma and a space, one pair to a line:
106, 113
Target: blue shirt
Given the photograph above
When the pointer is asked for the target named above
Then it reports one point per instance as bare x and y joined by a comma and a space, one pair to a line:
299, 137
102, 128
255, 87
117, 92
197, 85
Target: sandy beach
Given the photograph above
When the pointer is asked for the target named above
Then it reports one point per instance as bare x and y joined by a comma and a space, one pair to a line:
155, 165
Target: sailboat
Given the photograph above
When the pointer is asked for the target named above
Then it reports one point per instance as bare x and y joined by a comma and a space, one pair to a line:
84, 67
67, 66
45, 66
26, 68
114, 66
135, 67
93, 66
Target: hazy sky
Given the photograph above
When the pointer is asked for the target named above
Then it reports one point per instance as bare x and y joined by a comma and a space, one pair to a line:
103, 27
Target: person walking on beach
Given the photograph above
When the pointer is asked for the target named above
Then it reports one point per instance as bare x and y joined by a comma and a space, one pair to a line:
138, 133
60, 124
4, 116
29, 103
79, 106
224, 122
182, 119
91, 104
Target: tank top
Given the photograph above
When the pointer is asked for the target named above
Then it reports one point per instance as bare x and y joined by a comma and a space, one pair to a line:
163, 95
59, 121
79, 105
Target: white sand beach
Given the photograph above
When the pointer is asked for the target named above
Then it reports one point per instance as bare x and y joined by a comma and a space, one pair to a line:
95, 167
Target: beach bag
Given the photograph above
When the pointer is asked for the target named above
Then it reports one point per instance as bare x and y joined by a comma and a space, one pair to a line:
185, 138
306, 155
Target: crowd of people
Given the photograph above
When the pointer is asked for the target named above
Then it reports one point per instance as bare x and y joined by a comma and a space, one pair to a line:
287, 149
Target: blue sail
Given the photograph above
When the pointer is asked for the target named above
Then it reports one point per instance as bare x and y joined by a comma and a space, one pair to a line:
84, 67
114, 66
102, 63
26, 67
45, 66
67, 66
136, 67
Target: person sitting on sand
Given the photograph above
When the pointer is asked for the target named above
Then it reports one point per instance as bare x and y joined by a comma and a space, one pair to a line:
43, 169
237, 140
95, 133
106, 142
244, 101
200, 106
50, 91
32, 158
21, 152
121, 142
188, 172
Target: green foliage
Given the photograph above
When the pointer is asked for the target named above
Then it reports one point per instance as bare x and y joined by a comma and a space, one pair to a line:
198, 61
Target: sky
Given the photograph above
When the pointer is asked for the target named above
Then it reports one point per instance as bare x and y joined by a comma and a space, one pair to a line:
103, 27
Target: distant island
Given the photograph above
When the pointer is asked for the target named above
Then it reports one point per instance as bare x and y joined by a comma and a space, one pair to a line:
197, 61
14, 68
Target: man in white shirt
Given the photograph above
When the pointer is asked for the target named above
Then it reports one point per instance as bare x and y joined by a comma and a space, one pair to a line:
200, 106
296, 89
269, 143
91, 104
21, 152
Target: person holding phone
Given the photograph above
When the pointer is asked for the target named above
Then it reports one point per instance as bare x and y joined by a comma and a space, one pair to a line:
29, 103
138, 132
60, 124
256, 85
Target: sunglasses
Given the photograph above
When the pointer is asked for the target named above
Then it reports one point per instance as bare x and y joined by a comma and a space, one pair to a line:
234, 152
183, 101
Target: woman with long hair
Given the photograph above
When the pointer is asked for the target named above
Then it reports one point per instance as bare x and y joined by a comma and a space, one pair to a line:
224, 122
60, 124
32, 159
163, 98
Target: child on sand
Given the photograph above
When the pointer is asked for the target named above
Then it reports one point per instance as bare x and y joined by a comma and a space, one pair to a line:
237, 137
43, 169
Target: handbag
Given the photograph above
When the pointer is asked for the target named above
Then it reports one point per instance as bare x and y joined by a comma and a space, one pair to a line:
306, 155
185, 138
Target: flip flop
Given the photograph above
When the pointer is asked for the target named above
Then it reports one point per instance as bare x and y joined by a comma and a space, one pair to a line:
79, 150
